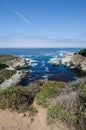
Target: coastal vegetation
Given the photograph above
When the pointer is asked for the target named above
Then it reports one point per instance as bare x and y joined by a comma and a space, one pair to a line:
48, 91
66, 102
4, 58
55, 112
2, 66
82, 52
17, 98
6, 74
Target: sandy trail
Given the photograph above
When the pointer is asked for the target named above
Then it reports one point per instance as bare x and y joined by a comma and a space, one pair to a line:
16, 121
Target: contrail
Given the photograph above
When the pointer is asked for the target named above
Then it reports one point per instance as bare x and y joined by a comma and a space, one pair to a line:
23, 18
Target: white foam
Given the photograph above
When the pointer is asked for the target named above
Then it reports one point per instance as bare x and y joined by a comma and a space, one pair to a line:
45, 76
46, 69
43, 63
61, 54
63, 51
33, 61
69, 53
34, 64
55, 58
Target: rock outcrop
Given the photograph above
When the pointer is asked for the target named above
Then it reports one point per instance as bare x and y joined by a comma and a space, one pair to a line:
83, 65
14, 80
54, 62
75, 61
17, 63
14, 64
67, 60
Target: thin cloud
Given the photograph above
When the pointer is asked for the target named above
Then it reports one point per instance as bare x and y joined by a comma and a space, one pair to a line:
39, 41
20, 16
23, 18
83, 35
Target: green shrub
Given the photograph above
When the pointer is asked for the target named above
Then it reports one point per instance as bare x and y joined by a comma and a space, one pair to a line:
82, 52
2, 66
5, 58
48, 91
45, 94
17, 97
81, 109
56, 96
56, 112
6, 74
2, 79
83, 91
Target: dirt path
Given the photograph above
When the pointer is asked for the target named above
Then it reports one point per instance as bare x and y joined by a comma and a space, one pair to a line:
16, 121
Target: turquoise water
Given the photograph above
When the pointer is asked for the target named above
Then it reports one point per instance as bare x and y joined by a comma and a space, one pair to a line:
41, 68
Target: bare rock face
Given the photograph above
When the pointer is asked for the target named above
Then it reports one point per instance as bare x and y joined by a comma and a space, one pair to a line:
83, 65
75, 61
14, 80
67, 60
18, 63
15, 64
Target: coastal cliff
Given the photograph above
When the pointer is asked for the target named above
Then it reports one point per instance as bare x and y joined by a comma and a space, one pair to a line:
76, 62
11, 72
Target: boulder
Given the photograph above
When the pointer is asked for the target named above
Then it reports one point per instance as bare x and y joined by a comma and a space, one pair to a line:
75, 61
67, 61
54, 62
83, 65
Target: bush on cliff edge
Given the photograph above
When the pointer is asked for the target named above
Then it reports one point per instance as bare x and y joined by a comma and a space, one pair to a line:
17, 98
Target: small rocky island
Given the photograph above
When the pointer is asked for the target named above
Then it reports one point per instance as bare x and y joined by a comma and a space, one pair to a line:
12, 70
54, 61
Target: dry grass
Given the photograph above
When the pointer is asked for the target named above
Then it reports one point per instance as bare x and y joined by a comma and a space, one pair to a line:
6, 74
4, 58
66, 102
17, 98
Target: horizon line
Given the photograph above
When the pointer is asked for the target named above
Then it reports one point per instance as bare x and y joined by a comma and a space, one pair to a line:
36, 47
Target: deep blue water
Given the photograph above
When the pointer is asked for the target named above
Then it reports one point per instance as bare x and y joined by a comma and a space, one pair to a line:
41, 68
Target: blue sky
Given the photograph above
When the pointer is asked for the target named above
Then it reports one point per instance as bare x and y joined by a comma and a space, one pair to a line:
42, 23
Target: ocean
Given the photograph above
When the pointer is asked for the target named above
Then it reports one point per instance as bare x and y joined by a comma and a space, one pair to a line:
40, 66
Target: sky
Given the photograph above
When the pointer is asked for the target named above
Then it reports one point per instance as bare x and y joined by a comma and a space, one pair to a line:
42, 23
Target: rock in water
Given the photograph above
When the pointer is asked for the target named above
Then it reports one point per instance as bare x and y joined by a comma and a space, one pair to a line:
54, 61
67, 60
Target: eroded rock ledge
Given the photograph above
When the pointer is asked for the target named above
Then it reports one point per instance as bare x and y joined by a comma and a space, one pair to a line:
16, 64
14, 80
76, 62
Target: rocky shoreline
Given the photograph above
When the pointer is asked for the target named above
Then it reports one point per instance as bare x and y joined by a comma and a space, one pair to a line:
18, 64
76, 63
14, 80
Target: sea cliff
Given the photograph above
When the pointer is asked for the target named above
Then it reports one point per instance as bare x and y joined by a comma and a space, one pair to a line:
76, 62
13, 66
